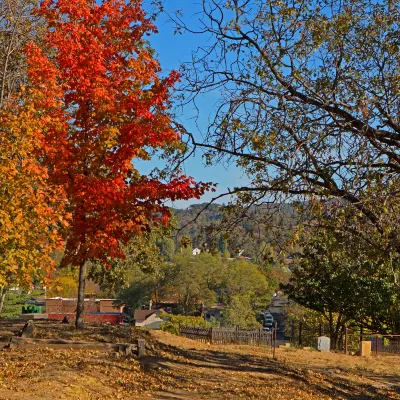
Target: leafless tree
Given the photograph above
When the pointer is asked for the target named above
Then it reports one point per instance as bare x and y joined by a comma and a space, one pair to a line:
18, 26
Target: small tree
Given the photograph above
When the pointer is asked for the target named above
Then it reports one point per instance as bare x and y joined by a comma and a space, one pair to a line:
32, 211
240, 312
243, 278
344, 281
111, 108
194, 279
222, 248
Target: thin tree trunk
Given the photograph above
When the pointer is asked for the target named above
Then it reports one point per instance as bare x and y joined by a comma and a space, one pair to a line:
81, 297
337, 331
2, 298
331, 330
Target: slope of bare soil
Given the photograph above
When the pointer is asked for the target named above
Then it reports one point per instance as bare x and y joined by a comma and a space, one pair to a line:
179, 368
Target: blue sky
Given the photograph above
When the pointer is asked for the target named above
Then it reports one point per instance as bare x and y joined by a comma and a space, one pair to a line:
172, 50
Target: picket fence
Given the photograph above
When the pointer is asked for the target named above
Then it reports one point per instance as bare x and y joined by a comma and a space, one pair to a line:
213, 335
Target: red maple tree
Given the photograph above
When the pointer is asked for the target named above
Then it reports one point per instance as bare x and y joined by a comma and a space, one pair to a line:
111, 108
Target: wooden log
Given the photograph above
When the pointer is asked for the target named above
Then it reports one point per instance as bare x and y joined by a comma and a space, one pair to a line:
125, 349
20, 342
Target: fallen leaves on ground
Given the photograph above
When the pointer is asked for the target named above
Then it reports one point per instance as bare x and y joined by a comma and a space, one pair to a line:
175, 368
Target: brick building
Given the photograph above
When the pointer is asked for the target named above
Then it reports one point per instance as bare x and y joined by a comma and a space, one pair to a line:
95, 310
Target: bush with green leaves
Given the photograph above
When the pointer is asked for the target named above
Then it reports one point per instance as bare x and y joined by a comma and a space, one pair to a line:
173, 322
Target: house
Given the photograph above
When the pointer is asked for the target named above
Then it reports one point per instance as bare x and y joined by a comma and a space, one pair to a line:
196, 251
215, 312
149, 318
95, 310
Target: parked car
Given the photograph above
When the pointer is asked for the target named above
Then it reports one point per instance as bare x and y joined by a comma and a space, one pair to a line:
268, 321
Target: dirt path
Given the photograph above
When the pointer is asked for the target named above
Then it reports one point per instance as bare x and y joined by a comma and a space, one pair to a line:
193, 370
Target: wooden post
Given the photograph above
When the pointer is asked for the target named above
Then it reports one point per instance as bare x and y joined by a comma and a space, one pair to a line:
346, 338
274, 347
237, 334
211, 335
141, 346
376, 345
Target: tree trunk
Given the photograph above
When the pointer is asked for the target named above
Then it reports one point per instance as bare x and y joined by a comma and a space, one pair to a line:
81, 297
2, 298
332, 331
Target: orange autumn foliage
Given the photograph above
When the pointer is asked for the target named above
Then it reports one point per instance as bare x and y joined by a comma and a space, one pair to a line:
99, 87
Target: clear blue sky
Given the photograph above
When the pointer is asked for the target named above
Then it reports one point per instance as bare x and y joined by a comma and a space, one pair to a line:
172, 50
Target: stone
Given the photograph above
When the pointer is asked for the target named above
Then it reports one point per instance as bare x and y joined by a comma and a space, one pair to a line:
28, 331
365, 348
324, 343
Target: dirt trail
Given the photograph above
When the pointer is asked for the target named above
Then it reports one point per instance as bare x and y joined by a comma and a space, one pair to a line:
201, 371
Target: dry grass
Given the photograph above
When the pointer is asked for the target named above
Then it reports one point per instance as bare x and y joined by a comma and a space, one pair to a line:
179, 368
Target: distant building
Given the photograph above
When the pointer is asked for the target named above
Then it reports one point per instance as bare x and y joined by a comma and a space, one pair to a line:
95, 310
215, 312
149, 318
196, 251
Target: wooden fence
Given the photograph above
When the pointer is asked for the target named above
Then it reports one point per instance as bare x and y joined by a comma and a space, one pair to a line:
256, 337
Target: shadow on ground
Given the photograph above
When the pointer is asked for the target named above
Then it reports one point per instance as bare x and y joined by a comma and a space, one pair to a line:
330, 383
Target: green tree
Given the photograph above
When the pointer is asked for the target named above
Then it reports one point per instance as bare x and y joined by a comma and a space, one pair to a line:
244, 280
167, 248
195, 279
143, 287
222, 245
240, 312
343, 280
64, 283
309, 104
142, 253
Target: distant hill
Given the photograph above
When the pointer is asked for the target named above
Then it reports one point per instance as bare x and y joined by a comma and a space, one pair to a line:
267, 224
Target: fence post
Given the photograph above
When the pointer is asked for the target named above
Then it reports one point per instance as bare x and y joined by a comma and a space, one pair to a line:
237, 334
211, 335
346, 338
376, 345
300, 332
141, 346
274, 348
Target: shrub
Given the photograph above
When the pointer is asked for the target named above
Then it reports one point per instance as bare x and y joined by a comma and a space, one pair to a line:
174, 321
